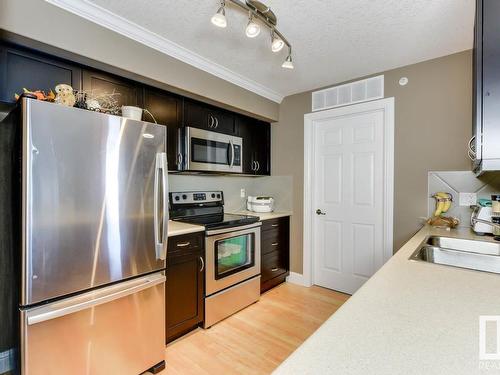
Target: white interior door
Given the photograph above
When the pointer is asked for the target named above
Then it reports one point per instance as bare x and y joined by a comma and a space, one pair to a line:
350, 185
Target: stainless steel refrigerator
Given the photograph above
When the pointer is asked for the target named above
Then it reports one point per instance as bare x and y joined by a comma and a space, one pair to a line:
91, 215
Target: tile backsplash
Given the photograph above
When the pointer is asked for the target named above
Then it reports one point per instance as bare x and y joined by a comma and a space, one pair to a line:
279, 187
456, 182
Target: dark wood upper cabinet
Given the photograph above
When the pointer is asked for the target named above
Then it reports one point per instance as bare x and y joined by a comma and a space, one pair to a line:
262, 146
98, 82
256, 145
198, 115
486, 108
245, 131
19, 69
167, 110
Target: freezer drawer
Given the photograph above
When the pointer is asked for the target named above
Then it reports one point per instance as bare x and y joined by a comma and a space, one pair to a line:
118, 329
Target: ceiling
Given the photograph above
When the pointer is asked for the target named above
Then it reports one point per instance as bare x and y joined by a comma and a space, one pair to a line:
333, 40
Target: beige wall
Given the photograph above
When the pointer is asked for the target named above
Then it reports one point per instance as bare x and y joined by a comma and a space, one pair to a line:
432, 127
38, 20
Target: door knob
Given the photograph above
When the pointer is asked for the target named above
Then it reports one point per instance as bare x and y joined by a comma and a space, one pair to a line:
319, 212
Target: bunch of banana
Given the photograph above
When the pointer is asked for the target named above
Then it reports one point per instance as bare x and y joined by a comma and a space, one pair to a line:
443, 203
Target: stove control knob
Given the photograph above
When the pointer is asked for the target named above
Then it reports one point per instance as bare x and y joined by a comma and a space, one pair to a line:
218, 196
177, 198
213, 195
184, 196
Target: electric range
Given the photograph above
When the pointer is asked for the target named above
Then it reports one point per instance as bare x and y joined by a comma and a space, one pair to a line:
232, 251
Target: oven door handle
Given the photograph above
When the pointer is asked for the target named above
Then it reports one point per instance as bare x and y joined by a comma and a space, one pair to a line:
234, 230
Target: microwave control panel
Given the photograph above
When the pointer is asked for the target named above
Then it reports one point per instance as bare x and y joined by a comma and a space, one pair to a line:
237, 155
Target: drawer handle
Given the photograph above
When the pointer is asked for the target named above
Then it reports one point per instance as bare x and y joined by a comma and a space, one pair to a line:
183, 244
275, 244
274, 225
202, 264
274, 269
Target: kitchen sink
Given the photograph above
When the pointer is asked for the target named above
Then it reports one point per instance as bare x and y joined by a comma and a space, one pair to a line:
471, 254
473, 246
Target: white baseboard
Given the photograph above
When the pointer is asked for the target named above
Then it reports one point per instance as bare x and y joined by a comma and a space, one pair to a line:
298, 279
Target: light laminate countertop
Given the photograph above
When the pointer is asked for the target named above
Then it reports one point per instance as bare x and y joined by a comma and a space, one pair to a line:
264, 215
176, 228
410, 318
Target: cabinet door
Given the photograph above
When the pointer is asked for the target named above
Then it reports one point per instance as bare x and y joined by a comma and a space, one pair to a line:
19, 69
245, 131
262, 147
167, 110
198, 115
477, 97
184, 294
195, 115
491, 79
256, 145
97, 82
223, 122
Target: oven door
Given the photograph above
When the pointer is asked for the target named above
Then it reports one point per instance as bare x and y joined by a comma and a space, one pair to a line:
210, 151
232, 256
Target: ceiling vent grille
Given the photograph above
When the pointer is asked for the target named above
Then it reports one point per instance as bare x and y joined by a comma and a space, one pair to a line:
350, 93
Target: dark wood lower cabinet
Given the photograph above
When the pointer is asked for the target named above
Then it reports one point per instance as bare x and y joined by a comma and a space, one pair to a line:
185, 284
275, 249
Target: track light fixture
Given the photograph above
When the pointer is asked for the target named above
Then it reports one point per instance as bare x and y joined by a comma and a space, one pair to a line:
257, 11
219, 18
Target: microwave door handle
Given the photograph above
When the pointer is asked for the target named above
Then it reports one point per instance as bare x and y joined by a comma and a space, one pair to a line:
231, 144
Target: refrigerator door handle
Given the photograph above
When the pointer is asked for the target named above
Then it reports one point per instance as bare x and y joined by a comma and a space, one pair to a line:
78, 303
166, 213
161, 178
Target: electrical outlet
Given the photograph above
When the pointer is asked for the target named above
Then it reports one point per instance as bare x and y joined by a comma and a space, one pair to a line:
243, 193
467, 199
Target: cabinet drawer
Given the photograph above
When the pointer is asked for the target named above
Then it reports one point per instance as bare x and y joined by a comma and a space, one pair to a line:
275, 224
273, 264
272, 241
186, 243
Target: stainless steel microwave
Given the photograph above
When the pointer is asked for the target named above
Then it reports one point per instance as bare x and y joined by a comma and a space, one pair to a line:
213, 152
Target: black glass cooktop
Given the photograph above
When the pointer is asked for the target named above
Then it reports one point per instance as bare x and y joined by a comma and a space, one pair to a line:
219, 221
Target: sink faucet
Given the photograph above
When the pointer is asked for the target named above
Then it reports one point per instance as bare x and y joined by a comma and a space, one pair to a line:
474, 220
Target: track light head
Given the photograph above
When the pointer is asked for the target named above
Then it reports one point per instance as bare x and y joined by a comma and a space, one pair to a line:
219, 18
288, 63
253, 28
277, 43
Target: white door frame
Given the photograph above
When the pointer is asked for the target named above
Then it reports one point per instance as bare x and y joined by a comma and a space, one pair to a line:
309, 135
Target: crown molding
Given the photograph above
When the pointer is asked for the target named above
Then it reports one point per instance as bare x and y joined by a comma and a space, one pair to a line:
120, 25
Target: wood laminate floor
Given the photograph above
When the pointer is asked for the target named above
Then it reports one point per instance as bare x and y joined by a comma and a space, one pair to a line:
257, 339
